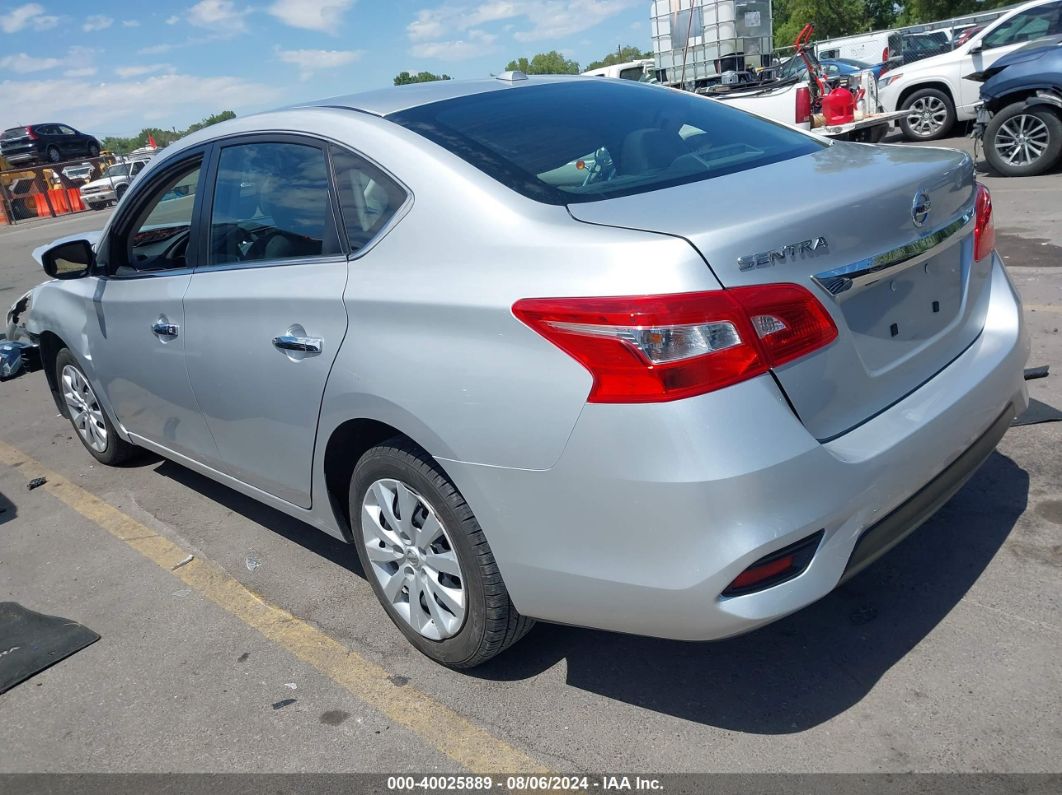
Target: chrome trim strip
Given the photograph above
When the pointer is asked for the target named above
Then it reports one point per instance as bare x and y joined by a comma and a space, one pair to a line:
838, 281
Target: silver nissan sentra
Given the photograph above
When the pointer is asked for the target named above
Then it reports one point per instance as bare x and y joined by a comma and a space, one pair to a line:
568, 349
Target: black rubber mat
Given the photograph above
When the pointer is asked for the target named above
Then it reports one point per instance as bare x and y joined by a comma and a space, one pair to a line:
30, 642
1038, 412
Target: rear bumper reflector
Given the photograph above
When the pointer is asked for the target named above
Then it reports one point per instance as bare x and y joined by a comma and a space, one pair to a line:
778, 567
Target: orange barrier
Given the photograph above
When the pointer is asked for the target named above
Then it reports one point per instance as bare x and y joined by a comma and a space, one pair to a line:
40, 205
74, 196
58, 199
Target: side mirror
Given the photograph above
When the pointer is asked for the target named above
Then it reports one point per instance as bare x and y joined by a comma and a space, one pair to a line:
70, 260
977, 47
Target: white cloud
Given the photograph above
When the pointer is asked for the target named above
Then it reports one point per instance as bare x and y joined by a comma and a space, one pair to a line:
81, 71
174, 99
474, 44
144, 69
173, 20
310, 61
130, 23
21, 63
30, 15
97, 22
322, 15
219, 15
543, 19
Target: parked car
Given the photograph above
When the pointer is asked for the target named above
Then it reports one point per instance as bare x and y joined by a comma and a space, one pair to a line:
967, 33
79, 173
612, 397
917, 46
795, 67
936, 92
1020, 119
112, 184
46, 143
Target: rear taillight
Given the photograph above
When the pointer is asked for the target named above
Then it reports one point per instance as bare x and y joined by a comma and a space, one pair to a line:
644, 349
984, 228
31, 134
803, 105
885, 54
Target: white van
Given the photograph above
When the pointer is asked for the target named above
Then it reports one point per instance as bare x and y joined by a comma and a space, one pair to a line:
631, 70
872, 48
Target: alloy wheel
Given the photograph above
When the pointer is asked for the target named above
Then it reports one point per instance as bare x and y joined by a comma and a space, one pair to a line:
1022, 139
413, 559
927, 115
85, 411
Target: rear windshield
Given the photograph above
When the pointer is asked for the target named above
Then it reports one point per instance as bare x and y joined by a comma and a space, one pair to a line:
14, 132
593, 139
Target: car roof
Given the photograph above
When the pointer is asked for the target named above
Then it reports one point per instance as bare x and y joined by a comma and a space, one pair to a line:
384, 101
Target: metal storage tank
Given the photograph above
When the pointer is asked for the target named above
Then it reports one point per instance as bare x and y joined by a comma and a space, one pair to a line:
716, 35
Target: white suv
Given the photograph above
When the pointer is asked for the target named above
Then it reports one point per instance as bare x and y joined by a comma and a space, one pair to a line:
936, 92
112, 185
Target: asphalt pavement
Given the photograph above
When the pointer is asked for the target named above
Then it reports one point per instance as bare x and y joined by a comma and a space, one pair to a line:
267, 651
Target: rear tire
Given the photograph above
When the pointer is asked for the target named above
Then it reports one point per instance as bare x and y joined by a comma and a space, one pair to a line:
1022, 141
446, 558
91, 423
97, 205
931, 115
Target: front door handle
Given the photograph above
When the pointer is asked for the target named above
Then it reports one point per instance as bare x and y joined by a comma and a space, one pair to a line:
289, 342
165, 329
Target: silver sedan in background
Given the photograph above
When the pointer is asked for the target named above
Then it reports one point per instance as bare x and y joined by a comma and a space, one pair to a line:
578, 350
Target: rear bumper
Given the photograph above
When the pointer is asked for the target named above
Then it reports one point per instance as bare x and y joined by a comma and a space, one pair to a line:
652, 510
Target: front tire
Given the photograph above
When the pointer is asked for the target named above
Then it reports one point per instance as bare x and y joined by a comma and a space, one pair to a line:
53, 154
930, 115
119, 192
427, 560
91, 423
1022, 141
97, 205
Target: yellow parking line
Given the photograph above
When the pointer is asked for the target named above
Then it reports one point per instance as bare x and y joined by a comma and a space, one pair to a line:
436, 724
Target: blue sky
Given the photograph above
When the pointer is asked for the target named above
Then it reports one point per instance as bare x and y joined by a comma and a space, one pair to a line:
112, 68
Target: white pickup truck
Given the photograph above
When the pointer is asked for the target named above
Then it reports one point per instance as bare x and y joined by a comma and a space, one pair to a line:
790, 102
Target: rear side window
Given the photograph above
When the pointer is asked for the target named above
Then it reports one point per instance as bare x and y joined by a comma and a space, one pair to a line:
588, 140
368, 198
271, 202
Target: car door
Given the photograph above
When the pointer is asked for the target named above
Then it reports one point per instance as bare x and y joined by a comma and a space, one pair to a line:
989, 47
264, 309
70, 143
137, 321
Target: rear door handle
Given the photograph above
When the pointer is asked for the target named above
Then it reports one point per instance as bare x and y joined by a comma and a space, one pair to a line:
289, 342
165, 329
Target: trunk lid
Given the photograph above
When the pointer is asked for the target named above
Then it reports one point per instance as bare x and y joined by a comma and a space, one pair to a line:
907, 297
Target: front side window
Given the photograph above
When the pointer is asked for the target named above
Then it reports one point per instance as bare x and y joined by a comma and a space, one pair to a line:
588, 140
1026, 26
66, 130
271, 202
160, 235
368, 198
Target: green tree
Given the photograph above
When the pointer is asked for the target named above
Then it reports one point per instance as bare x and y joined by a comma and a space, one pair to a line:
621, 55
124, 146
405, 78
545, 63
830, 17
917, 11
